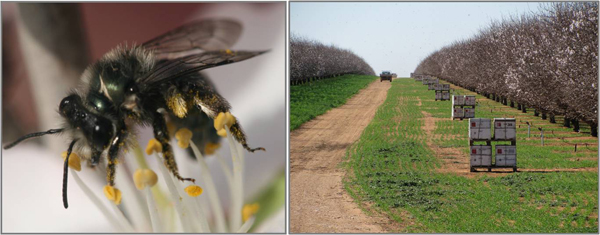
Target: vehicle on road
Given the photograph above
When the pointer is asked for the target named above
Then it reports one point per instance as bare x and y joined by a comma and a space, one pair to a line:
386, 75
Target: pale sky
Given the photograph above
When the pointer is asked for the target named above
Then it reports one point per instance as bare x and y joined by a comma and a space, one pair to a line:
396, 36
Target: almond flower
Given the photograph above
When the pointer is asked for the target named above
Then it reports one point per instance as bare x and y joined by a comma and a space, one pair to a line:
190, 204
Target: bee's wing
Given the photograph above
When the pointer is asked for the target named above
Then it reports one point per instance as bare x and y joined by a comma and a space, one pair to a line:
207, 34
166, 70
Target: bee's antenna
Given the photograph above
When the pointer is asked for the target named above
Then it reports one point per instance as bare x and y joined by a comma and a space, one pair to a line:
32, 135
65, 175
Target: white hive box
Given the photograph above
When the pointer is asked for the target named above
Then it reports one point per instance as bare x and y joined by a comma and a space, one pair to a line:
446, 96
430, 86
435, 81
480, 129
482, 160
469, 112
438, 96
442, 87
458, 100
505, 129
506, 155
481, 155
457, 112
469, 100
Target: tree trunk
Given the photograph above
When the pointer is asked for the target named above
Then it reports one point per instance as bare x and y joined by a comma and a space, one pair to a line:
567, 122
524, 109
552, 118
518, 106
594, 127
536, 113
543, 116
575, 123
512, 104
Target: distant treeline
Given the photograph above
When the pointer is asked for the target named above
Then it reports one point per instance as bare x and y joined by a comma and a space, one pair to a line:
547, 61
312, 60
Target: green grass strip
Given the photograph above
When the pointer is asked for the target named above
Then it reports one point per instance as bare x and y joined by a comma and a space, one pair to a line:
310, 100
393, 168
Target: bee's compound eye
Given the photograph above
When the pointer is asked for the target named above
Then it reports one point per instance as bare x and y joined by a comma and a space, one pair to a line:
64, 103
68, 103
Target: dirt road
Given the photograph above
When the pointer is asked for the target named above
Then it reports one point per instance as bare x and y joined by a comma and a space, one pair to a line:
318, 201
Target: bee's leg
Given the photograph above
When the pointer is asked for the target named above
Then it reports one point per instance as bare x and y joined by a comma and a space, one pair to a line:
211, 103
161, 133
113, 153
238, 134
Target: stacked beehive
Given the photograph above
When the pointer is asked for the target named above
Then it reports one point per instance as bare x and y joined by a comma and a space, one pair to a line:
480, 129
463, 106
442, 91
432, 82
425, 80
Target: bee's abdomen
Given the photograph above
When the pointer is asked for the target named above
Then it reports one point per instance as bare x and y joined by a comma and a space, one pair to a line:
202, 127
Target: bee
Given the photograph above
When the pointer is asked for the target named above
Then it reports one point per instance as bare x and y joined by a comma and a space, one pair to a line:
148, 85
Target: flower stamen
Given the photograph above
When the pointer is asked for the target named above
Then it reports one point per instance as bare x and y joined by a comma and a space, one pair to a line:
153, 146
143, 178
249, 210
183, 137
112, 194
74, 160
223, 119
193, 190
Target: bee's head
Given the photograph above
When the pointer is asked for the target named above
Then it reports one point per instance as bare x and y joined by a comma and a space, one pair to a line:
96, 129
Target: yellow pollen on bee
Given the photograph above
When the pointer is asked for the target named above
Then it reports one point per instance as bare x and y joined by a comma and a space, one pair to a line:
223, 119
178, 105
229, 52
183, 137
74, 160
153, 146
210, 148
113, 194
193, 190
249, 210
144, 177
